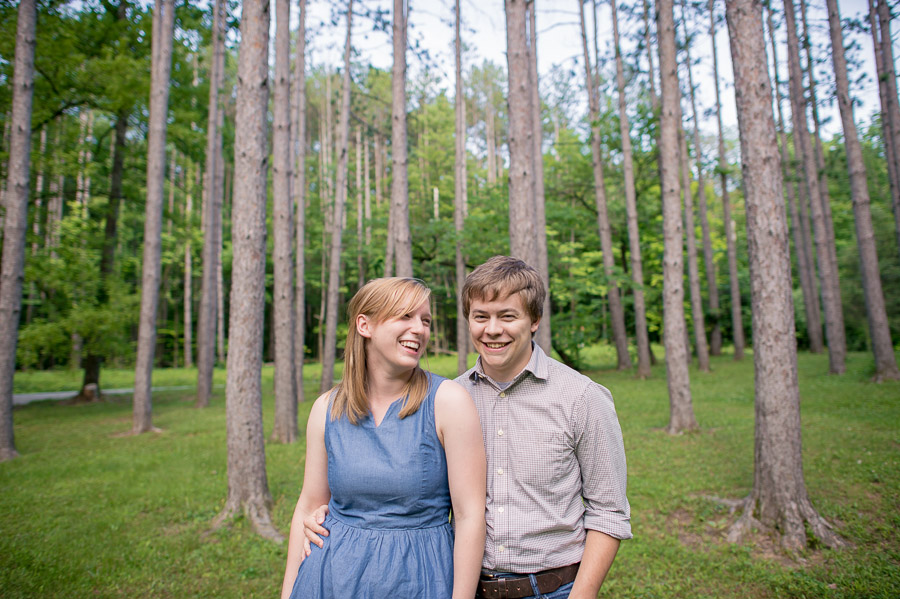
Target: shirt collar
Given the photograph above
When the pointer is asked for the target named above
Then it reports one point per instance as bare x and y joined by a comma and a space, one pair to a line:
537, 366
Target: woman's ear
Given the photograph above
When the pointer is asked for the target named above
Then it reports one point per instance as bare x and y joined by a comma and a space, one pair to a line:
363, 326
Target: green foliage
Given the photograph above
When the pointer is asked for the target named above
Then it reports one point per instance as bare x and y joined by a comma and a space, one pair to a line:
90, 512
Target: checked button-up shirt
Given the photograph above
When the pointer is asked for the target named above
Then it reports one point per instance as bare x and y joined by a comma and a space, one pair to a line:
555, 465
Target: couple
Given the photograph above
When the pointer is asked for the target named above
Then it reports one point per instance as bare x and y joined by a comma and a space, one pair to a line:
537, 489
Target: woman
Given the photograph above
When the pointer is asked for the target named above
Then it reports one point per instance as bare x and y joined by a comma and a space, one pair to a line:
390, 450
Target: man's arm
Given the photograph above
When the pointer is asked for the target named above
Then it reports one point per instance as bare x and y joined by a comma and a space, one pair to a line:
599, 553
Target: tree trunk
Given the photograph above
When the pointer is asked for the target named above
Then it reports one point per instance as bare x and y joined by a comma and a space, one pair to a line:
890, 149
879, 328
543, 336
334, 268
634, 238
779, 494
490, 136
367, 190
188, 279
300, 206
399, 158
212, 200
681, 410
737, 320
163, 25
799, 222
360, 258
817, 146
522, 238
285, 426
715, 336
616, 310
462, 328
15, 202
654, 98
831, 298
697, 315
248, 487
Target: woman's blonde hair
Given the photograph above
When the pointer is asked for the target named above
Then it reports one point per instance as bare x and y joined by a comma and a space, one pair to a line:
379, 300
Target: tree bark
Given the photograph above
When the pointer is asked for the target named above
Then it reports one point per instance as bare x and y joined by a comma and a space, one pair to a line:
634, 238
799, 219
15, 202
879, 328
697, 315
212, 200
712, 288
360, 221
399, 155
300, 205
188, 280
285, 426
681, 410
248, 487
779, 495
163, 23
890, 112
831, 298
334, 269
543, 336
737, 320
522, 238
616, 310
459, 202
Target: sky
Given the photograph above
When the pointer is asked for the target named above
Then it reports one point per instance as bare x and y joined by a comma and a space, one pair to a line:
559, 43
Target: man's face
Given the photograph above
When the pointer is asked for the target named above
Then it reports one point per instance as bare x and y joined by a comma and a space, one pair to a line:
501, 330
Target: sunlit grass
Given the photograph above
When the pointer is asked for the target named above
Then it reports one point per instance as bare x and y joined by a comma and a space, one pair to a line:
89, 512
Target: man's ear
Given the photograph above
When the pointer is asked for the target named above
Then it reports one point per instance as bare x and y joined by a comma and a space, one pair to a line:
363, 326
534, 325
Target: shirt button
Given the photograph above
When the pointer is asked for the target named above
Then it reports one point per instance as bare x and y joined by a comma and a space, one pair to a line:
503, 394
499, 470
500, 432
501, 548
500, 509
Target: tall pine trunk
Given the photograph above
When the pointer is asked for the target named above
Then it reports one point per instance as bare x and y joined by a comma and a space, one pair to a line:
616, 310
300, 206
15, 201
285, 425
879, 328
459, 203
737, 319
715, 336
522, 239
681, 409
544, 336
779, 497
163, 26
399, 158
212, 200
337, 221
634, 238
799, 218
248, 488
831, 297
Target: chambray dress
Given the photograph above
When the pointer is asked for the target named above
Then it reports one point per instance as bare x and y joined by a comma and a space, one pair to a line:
388, 515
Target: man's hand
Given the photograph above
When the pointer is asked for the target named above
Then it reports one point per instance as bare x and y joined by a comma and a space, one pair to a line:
313, 530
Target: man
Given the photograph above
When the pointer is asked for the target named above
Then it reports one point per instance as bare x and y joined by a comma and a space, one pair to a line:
556, 506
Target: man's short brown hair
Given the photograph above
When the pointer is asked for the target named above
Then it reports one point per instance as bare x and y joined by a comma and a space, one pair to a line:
502, 276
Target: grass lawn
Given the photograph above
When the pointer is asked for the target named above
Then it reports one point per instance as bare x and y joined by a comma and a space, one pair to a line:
86, 511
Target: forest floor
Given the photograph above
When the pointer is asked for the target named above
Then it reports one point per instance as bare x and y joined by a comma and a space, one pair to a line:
87, 511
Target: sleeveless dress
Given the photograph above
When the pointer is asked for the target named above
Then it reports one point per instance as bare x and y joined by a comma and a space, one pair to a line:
388, 517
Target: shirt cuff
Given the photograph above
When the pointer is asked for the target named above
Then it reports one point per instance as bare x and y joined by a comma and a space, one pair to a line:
614, 524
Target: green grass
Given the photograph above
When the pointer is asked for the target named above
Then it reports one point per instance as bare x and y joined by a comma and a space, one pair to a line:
88, 512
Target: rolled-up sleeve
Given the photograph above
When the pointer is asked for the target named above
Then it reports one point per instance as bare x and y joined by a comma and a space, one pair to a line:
601, 456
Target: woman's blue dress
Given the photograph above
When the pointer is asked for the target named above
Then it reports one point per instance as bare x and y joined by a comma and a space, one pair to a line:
389, 511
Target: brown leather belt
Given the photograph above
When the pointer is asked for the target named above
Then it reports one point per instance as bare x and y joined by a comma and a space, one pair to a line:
490, 587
